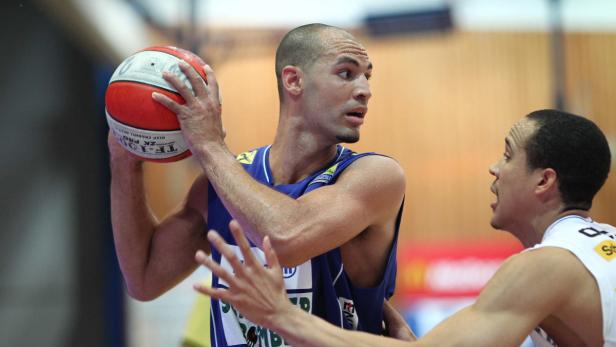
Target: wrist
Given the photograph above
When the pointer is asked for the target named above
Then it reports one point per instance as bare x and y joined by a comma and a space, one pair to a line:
211, 152
125, 163
286, 320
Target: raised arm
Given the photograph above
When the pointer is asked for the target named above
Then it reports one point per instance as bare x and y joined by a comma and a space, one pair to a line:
521, 294
369, 193
153, 255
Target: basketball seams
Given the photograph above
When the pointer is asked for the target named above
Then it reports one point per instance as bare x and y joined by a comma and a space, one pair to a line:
154, 130
145, 83
132, 104
182, 54
134, 68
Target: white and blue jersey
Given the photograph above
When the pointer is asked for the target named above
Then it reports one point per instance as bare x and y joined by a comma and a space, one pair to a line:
319, 286
594, 244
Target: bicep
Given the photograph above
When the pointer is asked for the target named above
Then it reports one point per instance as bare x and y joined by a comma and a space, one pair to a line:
183, 232
191, 215
473, 327
517, 298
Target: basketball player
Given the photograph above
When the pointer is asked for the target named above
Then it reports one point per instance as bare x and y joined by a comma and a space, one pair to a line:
561, 289
332, 214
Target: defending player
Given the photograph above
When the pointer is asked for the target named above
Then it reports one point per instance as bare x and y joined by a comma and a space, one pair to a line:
561, 290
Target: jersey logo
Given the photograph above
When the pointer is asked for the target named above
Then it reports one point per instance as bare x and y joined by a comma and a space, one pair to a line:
592, 232
349, 313
545, 337
607, 250
288, 272
247, 157
326, 176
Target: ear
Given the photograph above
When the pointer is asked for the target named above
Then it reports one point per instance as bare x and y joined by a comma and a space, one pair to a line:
292, 79
547, 182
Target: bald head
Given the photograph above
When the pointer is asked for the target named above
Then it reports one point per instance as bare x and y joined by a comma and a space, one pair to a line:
302, 46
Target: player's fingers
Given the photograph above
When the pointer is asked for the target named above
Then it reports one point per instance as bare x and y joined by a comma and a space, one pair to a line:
216, 269
240, 239
176, 82
197, 83
167, 102
216, 293
212, 83
226, 251
270, 255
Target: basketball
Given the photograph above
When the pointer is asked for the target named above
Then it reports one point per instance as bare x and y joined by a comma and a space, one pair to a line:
141, 125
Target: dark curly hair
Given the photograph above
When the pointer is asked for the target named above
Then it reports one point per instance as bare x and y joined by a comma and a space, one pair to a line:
576, 149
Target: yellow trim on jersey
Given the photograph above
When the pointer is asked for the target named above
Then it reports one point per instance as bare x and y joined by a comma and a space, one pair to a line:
247, 157
331, 170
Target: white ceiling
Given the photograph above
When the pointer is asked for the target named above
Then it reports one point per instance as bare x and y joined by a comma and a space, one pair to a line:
578, 15
113, 29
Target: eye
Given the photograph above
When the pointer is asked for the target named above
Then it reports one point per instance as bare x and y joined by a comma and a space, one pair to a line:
345, 74
506, 156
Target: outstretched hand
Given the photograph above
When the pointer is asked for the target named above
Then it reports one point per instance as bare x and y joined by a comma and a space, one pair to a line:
257, 291
200, 115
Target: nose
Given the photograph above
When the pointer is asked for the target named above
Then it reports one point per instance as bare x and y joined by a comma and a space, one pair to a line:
362, 90
493, 169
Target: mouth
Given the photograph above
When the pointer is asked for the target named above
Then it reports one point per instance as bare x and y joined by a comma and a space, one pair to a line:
493, 190
356, 115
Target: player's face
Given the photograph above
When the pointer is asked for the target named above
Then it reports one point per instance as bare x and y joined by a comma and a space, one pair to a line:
514, 182
337, 90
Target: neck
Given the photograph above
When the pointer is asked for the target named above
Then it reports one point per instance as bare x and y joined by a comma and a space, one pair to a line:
539, 226
293, 158
298, 150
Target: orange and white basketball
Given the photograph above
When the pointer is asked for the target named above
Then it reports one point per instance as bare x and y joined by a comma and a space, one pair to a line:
141, 125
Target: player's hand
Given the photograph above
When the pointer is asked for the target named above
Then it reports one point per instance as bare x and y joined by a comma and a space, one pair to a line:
200, 115
257, 291
395, 324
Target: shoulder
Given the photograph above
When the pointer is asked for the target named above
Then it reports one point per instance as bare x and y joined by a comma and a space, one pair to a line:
543, 263
372, 177
535, 278
248, 157
378, 167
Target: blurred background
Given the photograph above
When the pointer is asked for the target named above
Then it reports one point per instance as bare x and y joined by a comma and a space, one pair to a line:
450, 78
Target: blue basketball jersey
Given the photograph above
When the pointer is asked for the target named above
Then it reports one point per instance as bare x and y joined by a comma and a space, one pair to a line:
319, 286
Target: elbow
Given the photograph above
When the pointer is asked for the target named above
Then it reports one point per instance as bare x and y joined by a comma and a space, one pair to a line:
288, 251
141, 292
140, 296
290, 260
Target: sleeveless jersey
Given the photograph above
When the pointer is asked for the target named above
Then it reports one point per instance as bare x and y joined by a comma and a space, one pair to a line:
319, 286
594, 244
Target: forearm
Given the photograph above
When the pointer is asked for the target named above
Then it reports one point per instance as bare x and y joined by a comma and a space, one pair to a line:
154, 256
132, 221
259, 209
299, 328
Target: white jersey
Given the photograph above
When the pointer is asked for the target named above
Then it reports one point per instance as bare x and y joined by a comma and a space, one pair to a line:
594, 244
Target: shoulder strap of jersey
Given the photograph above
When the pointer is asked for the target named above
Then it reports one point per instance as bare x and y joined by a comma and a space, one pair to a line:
331, 173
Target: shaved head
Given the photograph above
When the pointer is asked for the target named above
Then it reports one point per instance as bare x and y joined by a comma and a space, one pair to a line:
302, 46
